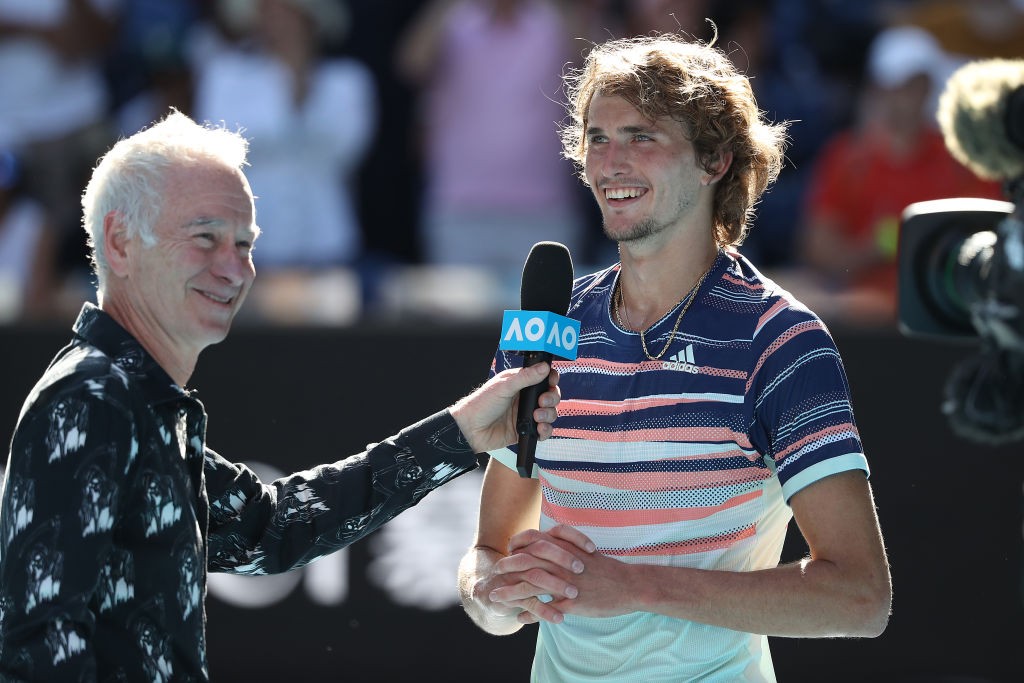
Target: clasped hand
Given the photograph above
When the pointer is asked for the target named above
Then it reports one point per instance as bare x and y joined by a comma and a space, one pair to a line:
547, 575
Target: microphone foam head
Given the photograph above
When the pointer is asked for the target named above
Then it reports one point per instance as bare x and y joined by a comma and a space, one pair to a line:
973, 116
547, 278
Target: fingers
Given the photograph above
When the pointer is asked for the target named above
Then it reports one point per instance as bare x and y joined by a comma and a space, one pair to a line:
537, 574
538, 610
574, 536
550, 550
547, 412
534, 583
533, 592
527, 376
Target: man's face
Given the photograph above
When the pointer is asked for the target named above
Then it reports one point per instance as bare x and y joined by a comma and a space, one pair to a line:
188, 287
643, 173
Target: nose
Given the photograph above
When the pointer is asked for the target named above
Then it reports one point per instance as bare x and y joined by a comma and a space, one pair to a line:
614, 159
234, 265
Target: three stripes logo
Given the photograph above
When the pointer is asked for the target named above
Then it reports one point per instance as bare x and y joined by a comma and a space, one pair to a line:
682, 361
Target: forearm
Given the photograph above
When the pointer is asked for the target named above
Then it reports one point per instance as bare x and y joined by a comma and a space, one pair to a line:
296, 519
476, 566
811, 598
419, 49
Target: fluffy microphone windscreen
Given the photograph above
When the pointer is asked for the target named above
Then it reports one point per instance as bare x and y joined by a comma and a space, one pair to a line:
972, 115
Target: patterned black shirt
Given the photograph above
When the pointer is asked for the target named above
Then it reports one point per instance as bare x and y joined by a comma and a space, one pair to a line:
114, 509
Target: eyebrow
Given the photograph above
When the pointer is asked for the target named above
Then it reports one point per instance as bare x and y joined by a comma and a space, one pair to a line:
210, 221
205, 221
628, 130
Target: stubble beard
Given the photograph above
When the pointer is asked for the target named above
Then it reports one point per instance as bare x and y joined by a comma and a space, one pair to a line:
638, 232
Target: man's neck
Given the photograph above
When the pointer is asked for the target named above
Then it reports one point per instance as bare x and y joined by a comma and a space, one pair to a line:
654, 282
178, 365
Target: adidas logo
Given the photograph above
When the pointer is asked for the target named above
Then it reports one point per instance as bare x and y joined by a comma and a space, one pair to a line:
682, 361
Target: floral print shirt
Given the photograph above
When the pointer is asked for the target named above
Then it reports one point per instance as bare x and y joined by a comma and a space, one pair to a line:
114, 509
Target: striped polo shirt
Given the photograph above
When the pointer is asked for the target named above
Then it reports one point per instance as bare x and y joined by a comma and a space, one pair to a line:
687, 460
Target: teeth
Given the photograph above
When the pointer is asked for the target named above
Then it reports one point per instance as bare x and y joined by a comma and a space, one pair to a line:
218, 299
622, 192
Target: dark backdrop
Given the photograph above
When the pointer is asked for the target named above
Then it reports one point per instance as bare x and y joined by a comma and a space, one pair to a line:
950, 509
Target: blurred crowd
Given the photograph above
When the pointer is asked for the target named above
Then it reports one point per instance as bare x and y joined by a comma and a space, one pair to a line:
405, 154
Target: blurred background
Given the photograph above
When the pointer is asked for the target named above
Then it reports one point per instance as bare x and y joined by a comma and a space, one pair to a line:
405, 157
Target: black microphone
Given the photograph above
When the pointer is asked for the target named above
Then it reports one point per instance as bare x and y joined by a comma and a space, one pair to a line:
546, 286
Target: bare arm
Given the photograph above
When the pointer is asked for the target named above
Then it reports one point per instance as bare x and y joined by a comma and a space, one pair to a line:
841, 589
509, 511
418, 50
83, 32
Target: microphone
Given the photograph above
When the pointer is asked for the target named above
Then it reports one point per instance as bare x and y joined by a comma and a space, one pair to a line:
981, 116
540, 331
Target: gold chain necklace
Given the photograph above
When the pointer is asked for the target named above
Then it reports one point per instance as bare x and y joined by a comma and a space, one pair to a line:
692, 294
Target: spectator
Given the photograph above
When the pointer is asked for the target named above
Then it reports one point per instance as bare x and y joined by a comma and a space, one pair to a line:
975, 30
867, 174
53, 109
686, 17
147, 66
391, 168
310, 117
26, 248
495, 182
793, 81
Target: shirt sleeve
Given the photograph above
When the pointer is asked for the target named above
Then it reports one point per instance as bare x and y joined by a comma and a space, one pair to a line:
60, 501
800, 405
258, 528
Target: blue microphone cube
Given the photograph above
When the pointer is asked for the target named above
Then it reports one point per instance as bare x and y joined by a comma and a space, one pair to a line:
540, 331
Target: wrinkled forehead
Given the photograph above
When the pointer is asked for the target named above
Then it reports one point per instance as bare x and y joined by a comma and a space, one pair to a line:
210, 182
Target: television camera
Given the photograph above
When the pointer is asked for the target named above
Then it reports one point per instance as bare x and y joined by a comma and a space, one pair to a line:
961, 260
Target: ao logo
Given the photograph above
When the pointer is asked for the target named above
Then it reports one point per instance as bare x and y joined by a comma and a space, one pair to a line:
540, 331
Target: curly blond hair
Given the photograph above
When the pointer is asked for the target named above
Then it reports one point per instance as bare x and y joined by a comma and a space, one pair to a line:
696, 84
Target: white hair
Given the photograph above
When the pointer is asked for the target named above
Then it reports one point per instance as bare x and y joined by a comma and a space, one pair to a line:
129, 178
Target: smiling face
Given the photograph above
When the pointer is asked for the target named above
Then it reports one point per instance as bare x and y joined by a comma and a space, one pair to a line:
643, 173
181, 294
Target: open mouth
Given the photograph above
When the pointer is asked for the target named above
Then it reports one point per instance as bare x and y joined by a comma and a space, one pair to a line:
622, 194
225, 300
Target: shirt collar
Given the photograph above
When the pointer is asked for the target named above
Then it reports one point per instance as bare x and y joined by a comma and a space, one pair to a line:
97, 328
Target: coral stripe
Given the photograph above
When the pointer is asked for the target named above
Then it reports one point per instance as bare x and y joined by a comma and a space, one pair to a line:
667, 481
697, 545
779, 305
594, 407
755, 287
824, 433
782, 339
581, 517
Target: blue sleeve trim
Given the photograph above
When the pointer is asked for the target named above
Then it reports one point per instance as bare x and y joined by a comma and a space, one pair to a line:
825, 468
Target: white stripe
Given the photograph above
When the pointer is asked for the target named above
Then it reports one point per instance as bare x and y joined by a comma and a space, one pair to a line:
557, 448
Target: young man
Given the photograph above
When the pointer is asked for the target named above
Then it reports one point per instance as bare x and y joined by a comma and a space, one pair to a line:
113, 507
705, 409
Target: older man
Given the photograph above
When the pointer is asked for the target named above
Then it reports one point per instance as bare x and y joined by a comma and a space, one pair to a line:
114, 508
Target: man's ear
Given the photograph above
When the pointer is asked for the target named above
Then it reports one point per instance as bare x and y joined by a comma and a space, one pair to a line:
718, 166
115, 243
